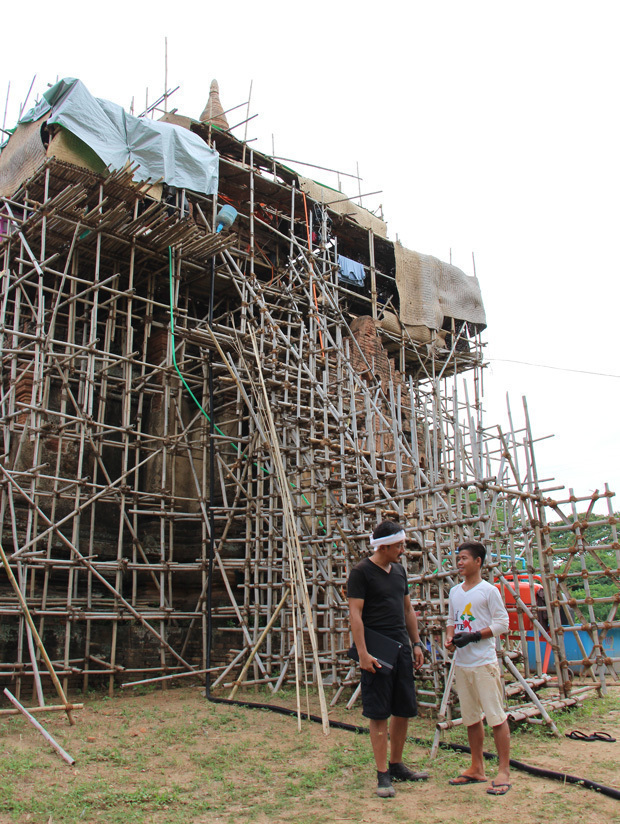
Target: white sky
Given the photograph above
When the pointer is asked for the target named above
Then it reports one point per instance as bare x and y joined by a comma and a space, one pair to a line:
490, 127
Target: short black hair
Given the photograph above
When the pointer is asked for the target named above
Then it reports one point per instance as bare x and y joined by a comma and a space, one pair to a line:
386, 528
475, 548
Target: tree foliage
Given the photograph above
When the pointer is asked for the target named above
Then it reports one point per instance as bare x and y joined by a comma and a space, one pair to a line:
589, 554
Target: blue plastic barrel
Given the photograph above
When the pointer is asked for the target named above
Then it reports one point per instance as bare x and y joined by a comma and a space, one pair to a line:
610, 643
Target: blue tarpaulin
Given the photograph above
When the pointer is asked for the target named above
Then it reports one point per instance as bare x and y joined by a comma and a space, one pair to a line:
162, 150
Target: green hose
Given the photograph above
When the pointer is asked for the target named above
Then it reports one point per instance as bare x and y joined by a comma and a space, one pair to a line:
186, 385
174, 354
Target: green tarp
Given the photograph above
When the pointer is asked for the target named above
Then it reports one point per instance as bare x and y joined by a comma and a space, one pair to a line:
162, 150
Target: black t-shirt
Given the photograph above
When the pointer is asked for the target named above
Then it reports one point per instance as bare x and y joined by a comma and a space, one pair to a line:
383, 594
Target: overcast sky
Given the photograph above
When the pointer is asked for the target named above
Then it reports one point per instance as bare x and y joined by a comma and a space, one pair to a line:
489, 127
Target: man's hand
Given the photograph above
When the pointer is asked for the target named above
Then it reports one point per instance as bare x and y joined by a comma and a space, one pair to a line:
448, 644
368, 663
418, 657
461, 639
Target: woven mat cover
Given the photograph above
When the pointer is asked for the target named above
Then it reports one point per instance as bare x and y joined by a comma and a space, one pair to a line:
21, 157
431, 290
66, 146
344, 207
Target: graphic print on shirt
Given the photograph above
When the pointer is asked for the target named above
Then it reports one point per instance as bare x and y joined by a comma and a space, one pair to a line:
464, 623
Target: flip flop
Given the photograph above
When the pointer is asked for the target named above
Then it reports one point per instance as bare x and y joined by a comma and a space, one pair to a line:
498, 789
468, 780
602, 736
577, 735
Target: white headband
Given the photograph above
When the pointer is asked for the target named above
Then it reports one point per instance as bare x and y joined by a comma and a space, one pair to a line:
388, 539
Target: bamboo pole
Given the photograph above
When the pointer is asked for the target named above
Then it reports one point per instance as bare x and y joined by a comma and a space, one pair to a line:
46, 708
441, 716
63, 754
175, 676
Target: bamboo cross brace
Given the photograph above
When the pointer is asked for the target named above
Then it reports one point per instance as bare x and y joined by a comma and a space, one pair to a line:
532, 695
258, 643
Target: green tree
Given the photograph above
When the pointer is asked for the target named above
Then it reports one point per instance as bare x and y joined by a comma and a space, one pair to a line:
588, 557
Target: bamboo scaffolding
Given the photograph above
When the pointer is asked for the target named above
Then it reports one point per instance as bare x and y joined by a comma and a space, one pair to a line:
317, 435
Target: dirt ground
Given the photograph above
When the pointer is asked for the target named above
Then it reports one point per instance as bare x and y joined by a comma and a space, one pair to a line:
168, 756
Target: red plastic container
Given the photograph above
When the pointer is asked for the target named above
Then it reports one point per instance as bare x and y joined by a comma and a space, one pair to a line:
523, 584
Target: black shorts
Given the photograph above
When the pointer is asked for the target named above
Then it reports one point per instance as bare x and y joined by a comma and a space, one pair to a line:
390, 693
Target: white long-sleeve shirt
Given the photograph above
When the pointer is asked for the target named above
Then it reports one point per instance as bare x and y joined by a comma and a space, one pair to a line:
474, 609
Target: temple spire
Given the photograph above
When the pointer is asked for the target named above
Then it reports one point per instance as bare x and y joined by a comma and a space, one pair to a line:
213, 111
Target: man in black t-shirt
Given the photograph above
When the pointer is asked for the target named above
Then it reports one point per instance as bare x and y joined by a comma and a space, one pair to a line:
378, 596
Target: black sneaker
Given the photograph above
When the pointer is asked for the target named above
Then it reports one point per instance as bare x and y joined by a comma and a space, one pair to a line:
384, 785
398, 772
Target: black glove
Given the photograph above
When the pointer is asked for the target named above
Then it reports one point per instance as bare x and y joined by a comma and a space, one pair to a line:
461, 639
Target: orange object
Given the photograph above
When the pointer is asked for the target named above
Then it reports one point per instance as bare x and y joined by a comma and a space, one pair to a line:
522, 585
547, 657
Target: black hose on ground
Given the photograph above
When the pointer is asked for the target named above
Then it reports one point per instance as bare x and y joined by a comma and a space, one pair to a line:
540, 772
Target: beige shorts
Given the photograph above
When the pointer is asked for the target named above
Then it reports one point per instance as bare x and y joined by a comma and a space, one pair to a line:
480, 693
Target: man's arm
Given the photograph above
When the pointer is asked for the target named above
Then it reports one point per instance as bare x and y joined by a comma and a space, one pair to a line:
449, 636
449, 627
367, 662
411, 622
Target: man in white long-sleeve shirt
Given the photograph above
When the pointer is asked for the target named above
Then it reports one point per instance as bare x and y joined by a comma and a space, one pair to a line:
476, 617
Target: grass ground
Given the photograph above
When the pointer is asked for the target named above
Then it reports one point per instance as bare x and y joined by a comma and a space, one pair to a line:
170, 756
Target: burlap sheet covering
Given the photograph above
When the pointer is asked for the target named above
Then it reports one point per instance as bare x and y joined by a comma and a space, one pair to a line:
431, 290
390, 322
343, 207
